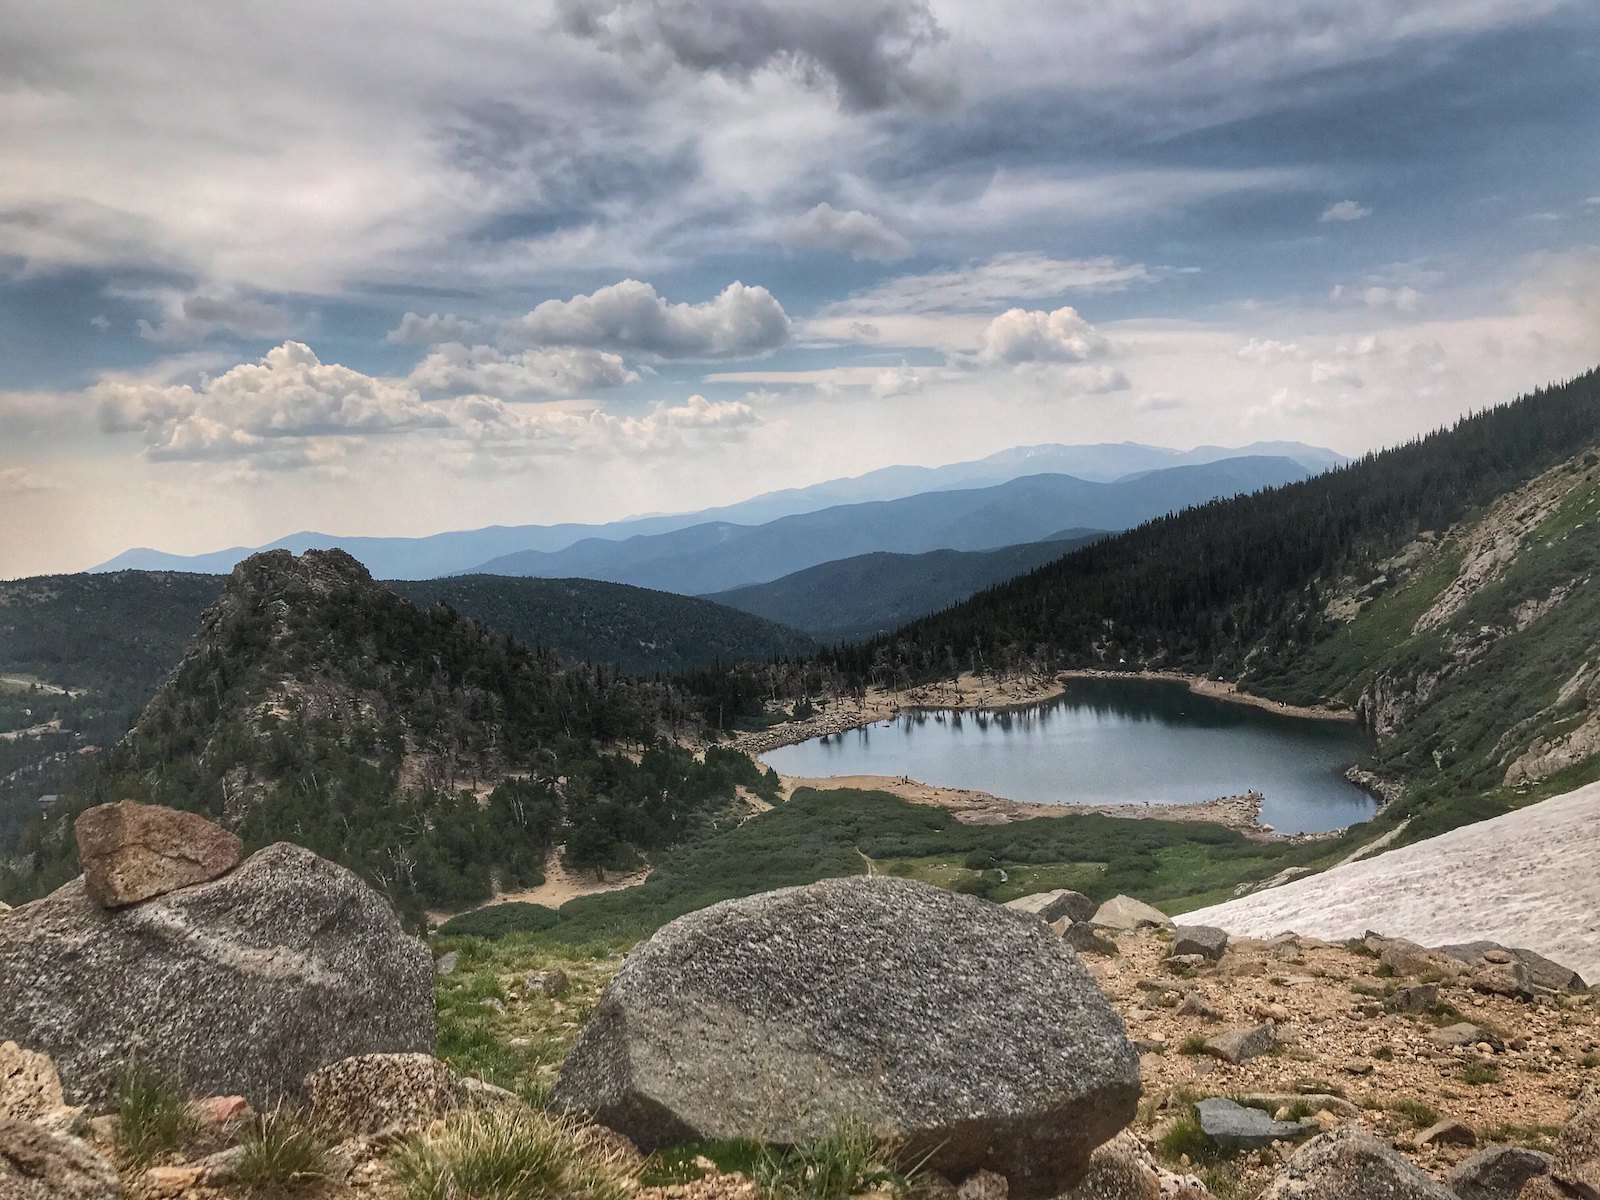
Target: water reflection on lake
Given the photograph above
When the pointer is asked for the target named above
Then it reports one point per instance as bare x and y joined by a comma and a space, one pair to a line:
1113, 741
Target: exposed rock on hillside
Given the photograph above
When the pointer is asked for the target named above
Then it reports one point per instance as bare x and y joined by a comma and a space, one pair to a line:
916, 1010
1054, 905
241, 985
1351, 1165
1124, 913
132, 852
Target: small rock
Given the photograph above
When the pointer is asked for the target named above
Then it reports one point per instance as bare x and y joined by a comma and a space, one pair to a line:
1156, 1044
494, 1004
983, 1185
1234, 1127
1237, 1045
36, 1164
1124, 913
1509, 979
1408, 958
382, 1093
132, 852
1462, 1034
446, 963
1194, 1005
1081, 936
221, 1110
1204, 940
1447, 1133
222, 1167
1180, 964
1350, 1164
29, 1085
1423, 998
172, 1181
1054, 906
1497, 1173
551, 983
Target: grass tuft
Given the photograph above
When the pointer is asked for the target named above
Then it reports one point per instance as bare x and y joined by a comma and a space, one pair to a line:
497, 1154
1479, 1073
283, 1152
850, 1161
153, 1116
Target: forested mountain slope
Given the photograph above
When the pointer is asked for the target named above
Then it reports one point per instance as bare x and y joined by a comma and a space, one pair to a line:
1443, 588
432, 755
871, 594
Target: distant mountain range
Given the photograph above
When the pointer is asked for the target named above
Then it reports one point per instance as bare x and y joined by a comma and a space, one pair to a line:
465, 551
720, 555
856, 598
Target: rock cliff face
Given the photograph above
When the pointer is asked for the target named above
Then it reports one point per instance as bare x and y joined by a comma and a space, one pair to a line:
243, 985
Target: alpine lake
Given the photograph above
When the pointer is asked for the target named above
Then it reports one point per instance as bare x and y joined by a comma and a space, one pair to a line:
1113, 741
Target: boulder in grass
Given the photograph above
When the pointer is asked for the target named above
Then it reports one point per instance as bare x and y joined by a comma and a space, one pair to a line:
1124, 913
1237, 1045
243, 985
1055, 905
1351, 1164
132, 852
782, 1016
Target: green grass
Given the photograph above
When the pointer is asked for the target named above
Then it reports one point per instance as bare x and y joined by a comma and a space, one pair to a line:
1534, 1137
498, 1154
1195, 1043
153, 1116
849, 1162
282, 1153
497, 920
1184, 1139
1480, 1073
1413, 1112
824, 834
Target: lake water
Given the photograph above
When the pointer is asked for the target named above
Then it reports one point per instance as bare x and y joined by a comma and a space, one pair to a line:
1114, 741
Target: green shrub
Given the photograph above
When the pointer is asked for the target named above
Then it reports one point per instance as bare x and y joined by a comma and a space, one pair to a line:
1414, 1111
849, 1162
1195, 1043
497, 920
1478, 1073
1185, 1139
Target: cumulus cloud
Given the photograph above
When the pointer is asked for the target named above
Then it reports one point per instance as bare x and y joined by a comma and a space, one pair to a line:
631, 316
858, 234
457, 370
985, 285
418, 330
261, 407
496, 429
1269, 351
1345, 210
871, 53
14, 480
200, 315
1402, 298
1021, 336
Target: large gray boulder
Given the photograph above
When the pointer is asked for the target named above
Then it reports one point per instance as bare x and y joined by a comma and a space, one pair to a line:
1124, 913
1351, 1164
1542, 972
971, 1033
1497, 1173
243, 985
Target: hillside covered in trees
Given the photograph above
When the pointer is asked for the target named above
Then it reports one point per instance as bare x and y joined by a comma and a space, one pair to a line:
436, 757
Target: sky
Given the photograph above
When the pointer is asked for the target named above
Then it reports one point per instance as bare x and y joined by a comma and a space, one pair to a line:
405, 268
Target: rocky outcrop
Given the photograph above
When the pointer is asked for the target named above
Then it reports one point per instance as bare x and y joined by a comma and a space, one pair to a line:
36, 1164
1575, 1166
1542, 972
1349, 1164
372, 1094
1056, 905
1122, 913
242, 985
1123, 1169
132, 852
917, 1011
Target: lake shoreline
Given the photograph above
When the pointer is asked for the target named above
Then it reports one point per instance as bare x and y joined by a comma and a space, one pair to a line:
972, 807
972, 693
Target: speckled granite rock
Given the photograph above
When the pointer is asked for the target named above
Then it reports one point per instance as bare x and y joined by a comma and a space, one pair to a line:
36, 1164
1350, 1164
243, 985
381, 1093
972, 1032
132, 852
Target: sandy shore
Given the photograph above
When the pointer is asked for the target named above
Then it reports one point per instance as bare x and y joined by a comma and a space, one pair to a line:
980, 808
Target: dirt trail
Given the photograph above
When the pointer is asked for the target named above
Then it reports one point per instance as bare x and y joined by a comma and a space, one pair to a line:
1530, 878
562, 884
